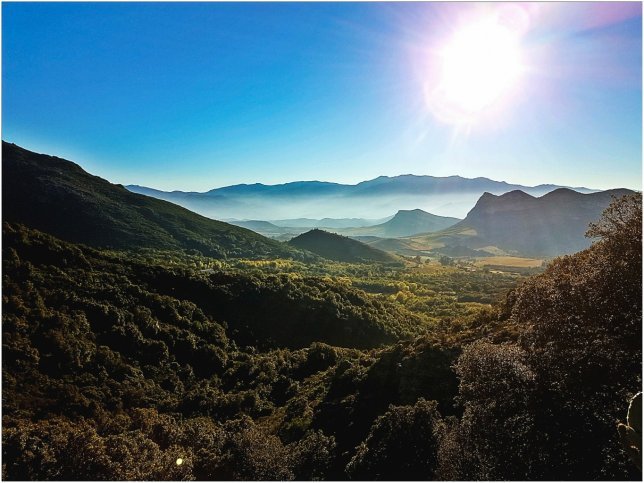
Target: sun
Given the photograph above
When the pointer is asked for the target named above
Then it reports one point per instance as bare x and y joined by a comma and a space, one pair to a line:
479, 65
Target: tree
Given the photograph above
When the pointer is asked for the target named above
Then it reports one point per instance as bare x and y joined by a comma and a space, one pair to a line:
493, 439
401, 445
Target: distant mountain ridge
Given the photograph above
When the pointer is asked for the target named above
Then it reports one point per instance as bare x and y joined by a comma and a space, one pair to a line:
400, 184
376, 198
404, 223
60, 198
516, 222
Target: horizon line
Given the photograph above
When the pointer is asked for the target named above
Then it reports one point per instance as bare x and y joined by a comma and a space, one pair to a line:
324, 182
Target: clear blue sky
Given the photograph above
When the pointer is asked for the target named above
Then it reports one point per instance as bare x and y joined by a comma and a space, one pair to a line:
196, 96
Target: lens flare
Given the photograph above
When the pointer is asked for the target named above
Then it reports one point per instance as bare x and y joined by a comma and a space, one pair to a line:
478, 66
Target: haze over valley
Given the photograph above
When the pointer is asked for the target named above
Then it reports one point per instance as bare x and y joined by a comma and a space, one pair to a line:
451, 196
513, 223
542, 221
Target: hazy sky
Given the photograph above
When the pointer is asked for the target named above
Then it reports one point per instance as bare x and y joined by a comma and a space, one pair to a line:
194, 96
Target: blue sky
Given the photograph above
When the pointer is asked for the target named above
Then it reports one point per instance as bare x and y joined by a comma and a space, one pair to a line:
194, 96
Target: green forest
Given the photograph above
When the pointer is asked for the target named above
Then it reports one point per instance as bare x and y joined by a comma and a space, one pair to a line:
163, 363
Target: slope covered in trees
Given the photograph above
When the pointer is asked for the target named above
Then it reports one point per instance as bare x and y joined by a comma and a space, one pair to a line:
110, 366
58, 197
339, 248
114, 368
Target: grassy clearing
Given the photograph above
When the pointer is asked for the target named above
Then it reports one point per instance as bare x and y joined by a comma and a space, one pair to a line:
517, 262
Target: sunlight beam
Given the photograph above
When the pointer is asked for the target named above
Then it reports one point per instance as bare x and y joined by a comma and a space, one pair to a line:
479, 65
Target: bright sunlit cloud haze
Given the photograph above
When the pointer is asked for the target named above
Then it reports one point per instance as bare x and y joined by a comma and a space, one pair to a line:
193, 96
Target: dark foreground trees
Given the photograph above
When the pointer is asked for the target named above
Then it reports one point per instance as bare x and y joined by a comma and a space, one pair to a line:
546, 406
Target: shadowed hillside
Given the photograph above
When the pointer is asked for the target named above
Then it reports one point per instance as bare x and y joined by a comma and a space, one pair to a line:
57, 196
575, 364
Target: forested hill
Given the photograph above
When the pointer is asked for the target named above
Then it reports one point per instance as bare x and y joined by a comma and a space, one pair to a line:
575, 364
104, 355
59, 197
339, 248
263, 311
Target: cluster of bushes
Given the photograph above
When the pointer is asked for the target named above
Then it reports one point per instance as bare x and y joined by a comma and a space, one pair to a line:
141, 444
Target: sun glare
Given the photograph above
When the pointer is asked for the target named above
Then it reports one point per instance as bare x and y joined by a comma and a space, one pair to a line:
478, 66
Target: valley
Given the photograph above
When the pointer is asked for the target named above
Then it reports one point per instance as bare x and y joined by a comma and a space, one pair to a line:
136, 332
514, 224
321, 241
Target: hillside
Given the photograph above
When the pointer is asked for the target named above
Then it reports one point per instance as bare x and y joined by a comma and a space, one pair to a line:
59, 197
98, 346
263, 311
577, 360
339, 248
518, 223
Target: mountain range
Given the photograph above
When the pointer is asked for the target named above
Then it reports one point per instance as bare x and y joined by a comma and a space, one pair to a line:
377, 198
58, 197
517, 223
